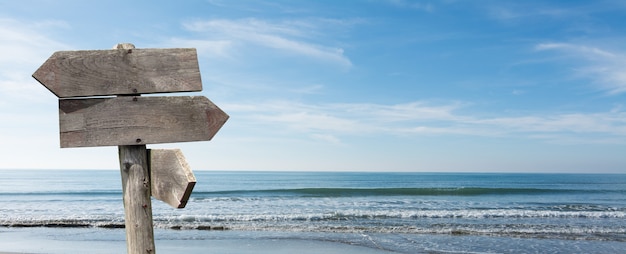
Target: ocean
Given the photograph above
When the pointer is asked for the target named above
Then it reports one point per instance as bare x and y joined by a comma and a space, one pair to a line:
384, 212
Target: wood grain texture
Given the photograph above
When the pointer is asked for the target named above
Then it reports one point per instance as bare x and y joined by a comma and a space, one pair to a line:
135, 120
120, 72
136, 195
172, 178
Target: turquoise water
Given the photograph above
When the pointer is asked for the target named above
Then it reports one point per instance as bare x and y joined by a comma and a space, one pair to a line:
401, 212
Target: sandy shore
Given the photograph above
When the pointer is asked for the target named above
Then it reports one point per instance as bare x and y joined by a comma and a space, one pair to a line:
59, 240
97, 240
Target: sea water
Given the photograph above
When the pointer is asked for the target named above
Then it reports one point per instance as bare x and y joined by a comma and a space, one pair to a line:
396, 212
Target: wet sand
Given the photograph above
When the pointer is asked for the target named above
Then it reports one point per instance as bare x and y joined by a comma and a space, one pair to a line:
44, 240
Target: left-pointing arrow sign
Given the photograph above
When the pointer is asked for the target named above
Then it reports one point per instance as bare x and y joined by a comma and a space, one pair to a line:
120, 71
135, 120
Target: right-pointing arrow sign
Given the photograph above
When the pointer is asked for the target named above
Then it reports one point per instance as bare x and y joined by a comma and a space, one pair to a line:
135, 120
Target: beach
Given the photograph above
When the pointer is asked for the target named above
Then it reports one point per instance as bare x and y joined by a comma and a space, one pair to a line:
45, 240
64, 211
64, 240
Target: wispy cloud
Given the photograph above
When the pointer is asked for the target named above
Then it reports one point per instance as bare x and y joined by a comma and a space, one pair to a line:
330, 122
23, 48
25, 42
612, 123
538, 11
523, 12
585, 51
208, 48
294, 37
606, 67
311, 89
417, 5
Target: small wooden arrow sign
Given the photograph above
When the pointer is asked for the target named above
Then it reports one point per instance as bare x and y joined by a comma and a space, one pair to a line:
120, 71
171, 176
135, 120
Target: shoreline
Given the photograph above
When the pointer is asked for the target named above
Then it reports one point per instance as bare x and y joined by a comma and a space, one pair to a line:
101, 240
36, 240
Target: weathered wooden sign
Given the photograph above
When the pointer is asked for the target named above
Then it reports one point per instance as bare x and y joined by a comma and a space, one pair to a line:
171, 176
131, 121
134, 120
120, 71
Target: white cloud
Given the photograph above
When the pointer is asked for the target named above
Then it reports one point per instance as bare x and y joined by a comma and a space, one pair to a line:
607, 68
295, 37
24, 46
332, 121
326, 138
613, 123
311, 89
417, 5
414, 111
26, 43
28, 111
303, 117
582, 50
208, 48
527, 11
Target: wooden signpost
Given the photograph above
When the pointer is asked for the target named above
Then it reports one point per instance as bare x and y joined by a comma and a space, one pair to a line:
130, 121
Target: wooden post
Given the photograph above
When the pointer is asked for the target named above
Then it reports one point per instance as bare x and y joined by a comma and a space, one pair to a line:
136, 192
137, 203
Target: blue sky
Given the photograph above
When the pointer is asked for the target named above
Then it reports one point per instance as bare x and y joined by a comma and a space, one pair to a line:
398, 85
